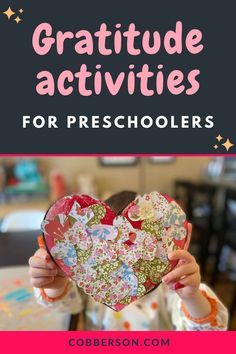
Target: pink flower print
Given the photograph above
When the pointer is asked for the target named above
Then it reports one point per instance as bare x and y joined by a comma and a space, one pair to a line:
177, 233
134, 213
128, 255
159, 203
83, 215
104, 232
166, 245
142, 210
124, 228
147, 247
103, 252
78, 235
162, 252
80, 211
88, 289
66, 252
59, 207
55, 228
174, 215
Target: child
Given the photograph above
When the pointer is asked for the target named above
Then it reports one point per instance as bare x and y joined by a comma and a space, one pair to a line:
181, 302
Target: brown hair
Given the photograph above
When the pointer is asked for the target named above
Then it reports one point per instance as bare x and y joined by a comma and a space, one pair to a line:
119, 201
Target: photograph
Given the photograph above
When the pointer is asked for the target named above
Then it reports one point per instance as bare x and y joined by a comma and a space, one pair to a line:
117, 177
145, 247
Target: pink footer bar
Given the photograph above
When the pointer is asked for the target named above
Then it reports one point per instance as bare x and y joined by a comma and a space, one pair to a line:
104, 342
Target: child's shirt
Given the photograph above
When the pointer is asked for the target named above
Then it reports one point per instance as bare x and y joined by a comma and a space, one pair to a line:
162, 309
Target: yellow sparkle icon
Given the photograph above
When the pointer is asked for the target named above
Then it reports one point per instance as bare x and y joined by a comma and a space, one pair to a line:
9, 13
219, 137
17, 19
228, 144
21, 11
215, 147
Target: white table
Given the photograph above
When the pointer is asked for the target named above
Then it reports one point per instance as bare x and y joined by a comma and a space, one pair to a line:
18, 308
7, 208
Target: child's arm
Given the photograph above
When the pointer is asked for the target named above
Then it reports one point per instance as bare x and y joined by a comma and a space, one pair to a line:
199, 306
51, 286
185, 279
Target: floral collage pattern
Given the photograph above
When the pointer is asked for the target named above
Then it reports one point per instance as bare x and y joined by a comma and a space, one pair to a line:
116, 263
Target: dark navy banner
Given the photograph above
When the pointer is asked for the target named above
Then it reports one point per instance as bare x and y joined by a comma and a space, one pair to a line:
117, 77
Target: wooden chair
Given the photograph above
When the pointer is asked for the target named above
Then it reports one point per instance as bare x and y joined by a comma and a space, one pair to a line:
183, 195
203, 216
198, 201
227, 237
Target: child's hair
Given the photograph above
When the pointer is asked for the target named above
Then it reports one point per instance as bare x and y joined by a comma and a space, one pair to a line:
119, 201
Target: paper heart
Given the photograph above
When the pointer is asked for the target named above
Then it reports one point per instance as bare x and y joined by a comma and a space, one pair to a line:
115, 258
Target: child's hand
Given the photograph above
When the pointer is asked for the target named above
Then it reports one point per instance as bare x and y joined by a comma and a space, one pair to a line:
44, 273
185, 278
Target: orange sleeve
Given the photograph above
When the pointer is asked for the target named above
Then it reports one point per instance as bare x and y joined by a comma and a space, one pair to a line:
211, 318
53, 299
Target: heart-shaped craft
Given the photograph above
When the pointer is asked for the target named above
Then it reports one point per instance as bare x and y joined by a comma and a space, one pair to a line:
117, 259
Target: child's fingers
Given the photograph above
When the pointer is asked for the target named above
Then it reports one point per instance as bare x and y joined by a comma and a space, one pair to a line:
37, 262
43, 254
180, 255
175, 285
180, 272
38, 273
41, 282
190, 228
190, 280
189, 235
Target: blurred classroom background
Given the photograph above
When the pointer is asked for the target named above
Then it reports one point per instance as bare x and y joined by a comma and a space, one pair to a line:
205, 187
